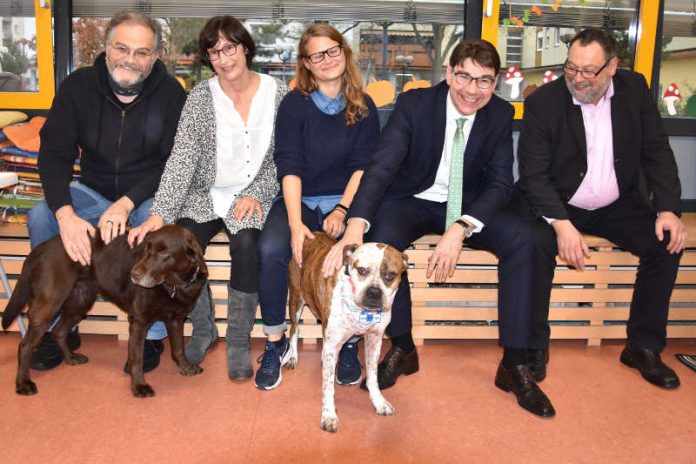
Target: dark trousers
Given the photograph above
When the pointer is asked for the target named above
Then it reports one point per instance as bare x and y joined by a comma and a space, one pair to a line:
510, 237
274, 256
629, 223
244, 258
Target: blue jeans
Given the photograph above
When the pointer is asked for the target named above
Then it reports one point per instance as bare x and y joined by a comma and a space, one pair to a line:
275, 253
89, 205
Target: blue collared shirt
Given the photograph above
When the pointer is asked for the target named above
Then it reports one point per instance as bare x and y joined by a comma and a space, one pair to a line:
328, 105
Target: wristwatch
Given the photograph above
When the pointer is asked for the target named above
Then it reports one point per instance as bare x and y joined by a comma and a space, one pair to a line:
468, 227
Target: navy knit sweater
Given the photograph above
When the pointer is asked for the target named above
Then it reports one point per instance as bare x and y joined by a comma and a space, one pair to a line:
319, 148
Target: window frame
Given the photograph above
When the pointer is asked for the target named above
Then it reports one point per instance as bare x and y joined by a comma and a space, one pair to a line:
44, 57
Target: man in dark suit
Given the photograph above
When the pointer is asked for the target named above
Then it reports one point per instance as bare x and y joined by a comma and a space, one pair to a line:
585, 141
443, 165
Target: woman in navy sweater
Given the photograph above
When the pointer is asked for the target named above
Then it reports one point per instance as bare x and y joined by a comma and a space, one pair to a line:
326, 130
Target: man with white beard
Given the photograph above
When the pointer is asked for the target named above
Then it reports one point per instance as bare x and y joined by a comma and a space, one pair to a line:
119, 117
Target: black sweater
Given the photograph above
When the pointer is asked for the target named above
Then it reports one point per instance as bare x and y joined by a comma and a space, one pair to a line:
123, 150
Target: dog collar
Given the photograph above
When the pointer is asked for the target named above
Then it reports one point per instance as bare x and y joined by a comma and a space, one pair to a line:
360, 318
172, 292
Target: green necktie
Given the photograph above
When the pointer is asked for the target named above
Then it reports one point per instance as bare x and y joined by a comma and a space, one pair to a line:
456, 174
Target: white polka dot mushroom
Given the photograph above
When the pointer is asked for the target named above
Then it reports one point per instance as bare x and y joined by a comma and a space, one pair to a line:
513, 77
549, 76
672, 94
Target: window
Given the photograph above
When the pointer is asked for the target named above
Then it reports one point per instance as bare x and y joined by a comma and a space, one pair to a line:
677, 86
26, 61
538, 61
397, 45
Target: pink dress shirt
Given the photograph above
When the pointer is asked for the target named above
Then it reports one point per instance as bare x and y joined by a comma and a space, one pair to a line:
599, 187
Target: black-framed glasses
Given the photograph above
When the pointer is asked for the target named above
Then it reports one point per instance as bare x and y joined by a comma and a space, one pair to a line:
229, 50
571, 70
482, 82
318, 57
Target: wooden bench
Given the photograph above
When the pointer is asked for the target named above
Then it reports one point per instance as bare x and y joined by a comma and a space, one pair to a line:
592, 305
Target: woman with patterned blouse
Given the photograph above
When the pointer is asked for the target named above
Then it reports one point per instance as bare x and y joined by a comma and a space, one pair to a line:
221, 175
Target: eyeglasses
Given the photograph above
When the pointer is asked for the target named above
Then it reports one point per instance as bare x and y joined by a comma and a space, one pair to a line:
482, 82
229, 50
318, 57
571, 70
121, 51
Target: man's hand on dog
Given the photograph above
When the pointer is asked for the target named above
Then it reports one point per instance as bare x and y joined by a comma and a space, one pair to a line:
75, 233
114, 220
137, 234
298, 234
444, 259
353, 236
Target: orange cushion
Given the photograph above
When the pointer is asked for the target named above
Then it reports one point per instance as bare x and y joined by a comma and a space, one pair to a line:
26, 136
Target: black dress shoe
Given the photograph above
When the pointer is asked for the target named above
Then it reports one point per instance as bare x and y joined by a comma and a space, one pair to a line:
518, 380
651, 367
395, 363
151, 356
47, 355
537, 361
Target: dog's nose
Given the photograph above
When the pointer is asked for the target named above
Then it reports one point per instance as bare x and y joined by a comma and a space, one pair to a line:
374, 293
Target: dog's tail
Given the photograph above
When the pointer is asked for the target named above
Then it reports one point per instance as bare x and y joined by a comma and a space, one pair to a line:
20, 297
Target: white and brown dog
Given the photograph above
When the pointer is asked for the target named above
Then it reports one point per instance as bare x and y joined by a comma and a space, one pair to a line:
356, 300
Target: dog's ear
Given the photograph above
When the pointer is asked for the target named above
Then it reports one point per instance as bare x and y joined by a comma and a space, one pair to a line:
404, 259
348, 251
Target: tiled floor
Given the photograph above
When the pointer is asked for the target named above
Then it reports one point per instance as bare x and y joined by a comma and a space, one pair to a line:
450, 412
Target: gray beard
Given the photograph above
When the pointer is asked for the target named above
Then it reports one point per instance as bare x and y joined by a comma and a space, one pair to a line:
590, 97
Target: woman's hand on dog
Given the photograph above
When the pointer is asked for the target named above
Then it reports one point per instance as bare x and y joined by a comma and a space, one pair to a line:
246, 207
137, 234
75, 233
298, 234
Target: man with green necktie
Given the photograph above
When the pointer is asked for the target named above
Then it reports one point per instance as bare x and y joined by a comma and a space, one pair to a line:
443, 165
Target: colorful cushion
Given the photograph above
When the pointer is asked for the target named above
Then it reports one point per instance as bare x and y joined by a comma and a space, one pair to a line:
26, 136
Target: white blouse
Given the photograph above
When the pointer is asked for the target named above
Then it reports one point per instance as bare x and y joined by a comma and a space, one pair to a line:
240, 147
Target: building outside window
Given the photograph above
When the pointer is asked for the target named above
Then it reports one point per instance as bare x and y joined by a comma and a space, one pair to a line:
18, 57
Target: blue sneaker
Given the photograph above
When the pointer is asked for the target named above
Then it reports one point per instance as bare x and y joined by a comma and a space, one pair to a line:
269, 376
349, 370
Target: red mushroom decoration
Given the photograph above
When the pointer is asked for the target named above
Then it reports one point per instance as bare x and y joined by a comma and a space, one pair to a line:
671, 95
549, 76
513, 77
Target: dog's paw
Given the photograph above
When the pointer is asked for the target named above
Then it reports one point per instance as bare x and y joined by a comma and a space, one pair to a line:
26, 387
329, 423
190, 369
384, 408
291, 363
143, 390
76, 358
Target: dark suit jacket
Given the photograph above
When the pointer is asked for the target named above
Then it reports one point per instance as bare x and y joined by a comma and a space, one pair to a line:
552, 152
410, 146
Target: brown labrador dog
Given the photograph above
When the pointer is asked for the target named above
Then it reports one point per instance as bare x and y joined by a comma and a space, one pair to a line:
160, 279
